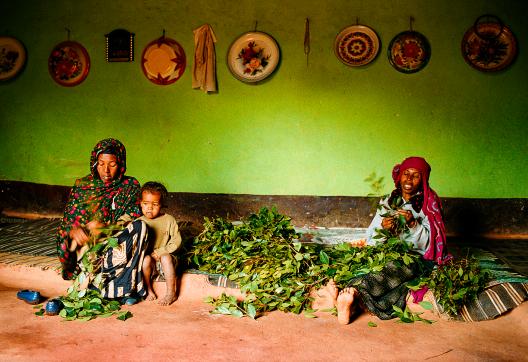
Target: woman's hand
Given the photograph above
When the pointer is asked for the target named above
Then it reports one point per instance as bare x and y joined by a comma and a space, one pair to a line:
81, 236
155, 256
408, 216
387, 223
94, 226
78, 236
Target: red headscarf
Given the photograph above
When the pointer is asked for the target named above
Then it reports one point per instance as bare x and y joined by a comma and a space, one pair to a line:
432, 208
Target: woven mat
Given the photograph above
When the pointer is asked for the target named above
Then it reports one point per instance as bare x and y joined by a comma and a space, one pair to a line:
43, 262
30, 237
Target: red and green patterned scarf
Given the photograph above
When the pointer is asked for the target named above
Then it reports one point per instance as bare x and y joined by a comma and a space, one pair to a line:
92, 199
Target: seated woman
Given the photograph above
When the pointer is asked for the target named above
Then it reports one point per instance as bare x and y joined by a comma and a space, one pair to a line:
420, 207
100, 199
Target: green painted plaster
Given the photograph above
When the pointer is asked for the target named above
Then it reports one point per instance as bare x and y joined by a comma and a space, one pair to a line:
313, 130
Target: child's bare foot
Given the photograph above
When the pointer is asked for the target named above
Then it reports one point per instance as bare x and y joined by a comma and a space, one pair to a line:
151, 296
167, 299
345, 302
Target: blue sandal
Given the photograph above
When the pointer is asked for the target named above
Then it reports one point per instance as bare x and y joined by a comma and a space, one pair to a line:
29, 296
129, 300
54, 306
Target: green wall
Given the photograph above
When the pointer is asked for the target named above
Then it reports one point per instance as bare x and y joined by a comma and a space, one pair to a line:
312, 130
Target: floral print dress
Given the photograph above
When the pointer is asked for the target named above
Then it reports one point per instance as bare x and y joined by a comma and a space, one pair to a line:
92, 199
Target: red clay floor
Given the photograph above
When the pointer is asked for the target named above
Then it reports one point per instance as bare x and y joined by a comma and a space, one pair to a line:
185, 331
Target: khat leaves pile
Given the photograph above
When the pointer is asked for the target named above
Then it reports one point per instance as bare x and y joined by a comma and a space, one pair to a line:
455, 283
264, 256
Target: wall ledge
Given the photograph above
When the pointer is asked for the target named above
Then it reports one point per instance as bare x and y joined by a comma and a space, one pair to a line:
490, 218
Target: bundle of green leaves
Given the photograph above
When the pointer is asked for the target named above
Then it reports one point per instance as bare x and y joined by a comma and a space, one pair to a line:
82, 303
274, 269
87, 304
264, 256
456, 283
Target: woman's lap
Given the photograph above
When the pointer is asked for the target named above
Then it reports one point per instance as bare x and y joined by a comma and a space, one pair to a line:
122, 264
380, 291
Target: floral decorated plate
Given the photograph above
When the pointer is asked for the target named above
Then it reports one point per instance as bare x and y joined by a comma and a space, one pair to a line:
163, 61
253, 57
489, 47
357, 45
409, 52
69, 63
12, 57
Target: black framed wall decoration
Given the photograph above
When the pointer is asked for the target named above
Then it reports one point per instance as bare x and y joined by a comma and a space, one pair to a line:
120, 46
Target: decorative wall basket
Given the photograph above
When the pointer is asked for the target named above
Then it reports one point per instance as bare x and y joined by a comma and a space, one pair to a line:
409, 52
489, 45
163, 61
356, 45
69, 63
12, 57
253, 57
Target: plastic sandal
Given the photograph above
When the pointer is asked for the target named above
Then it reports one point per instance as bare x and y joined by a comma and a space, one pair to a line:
54, 306
130, 300
29, 296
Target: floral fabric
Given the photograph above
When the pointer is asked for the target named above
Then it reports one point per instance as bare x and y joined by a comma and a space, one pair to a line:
92, 199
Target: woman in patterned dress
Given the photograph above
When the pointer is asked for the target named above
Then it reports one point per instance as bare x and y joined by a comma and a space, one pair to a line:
98, 200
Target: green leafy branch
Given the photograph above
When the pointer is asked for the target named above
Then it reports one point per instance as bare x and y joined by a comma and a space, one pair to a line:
376, 185
407, 316
82, 303
455, 284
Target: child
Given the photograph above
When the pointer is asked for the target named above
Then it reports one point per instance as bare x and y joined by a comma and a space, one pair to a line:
164, 239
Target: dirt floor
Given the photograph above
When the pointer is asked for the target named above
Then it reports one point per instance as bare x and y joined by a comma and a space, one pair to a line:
185, 331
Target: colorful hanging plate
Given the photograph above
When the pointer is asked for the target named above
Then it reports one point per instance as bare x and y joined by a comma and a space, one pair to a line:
69, 63
253, 57
356, 45
163, 61
409, 52
489, 47
12, 57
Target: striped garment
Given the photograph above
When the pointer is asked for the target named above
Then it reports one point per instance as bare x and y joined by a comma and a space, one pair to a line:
121, 270
494, 301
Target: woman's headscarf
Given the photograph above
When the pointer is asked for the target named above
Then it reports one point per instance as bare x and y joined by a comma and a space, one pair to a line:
92, 199
113, 147
432, 208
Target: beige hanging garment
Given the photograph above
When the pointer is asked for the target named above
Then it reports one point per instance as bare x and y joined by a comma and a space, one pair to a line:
204, 66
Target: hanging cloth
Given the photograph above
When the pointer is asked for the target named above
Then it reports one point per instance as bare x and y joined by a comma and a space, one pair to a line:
204, 66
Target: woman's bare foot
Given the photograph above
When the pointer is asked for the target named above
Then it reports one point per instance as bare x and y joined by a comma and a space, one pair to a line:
332, 290
167, 299
326, 297
345, 302
151, 296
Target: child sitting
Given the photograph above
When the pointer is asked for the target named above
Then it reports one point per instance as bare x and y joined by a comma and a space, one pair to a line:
164, 239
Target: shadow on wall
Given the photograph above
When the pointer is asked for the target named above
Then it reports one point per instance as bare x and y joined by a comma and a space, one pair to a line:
473, 217
466, 218
465, 221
